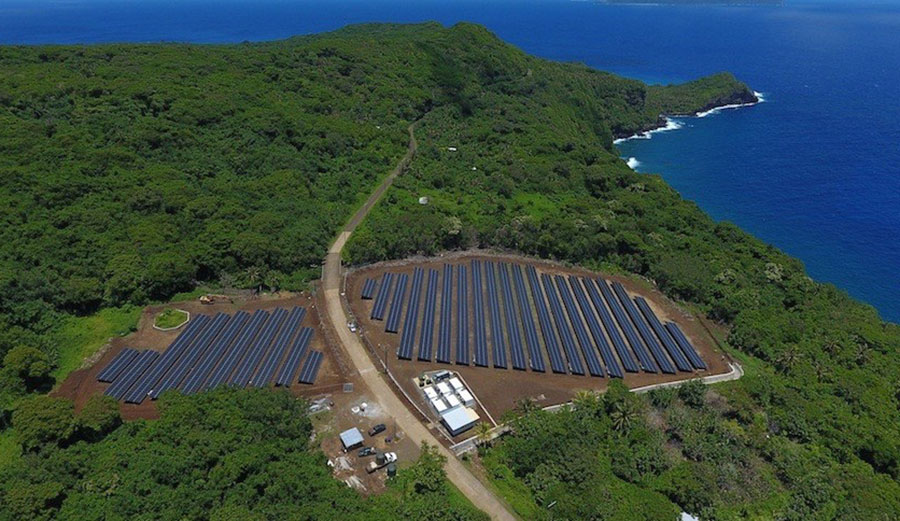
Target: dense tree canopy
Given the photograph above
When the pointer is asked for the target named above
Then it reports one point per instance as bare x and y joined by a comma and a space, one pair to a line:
131, 172
227, 454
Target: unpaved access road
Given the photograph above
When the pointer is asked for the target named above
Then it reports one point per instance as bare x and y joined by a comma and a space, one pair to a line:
459, 475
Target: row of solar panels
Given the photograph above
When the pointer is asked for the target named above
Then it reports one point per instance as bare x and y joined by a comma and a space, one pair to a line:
582, 321
239, 350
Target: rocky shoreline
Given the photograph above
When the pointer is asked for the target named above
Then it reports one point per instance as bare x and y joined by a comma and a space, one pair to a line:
742, 98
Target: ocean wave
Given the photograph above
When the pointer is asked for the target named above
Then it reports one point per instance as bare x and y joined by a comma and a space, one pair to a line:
759, 96
671, 124
633, 163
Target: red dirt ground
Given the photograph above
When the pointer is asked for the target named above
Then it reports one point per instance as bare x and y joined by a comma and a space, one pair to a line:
499, 390
82, 384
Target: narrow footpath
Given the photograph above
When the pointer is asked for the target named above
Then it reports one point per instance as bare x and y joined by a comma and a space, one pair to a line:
458, 474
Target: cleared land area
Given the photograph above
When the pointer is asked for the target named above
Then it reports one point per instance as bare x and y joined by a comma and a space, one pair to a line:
83, 383
571, 327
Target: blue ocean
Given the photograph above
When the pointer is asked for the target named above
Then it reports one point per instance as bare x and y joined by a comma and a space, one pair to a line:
814, 170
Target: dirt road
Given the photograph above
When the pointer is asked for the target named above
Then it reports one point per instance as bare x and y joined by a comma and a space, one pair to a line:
464, 480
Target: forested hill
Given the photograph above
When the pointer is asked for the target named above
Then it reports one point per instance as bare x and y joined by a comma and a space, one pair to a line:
129, 172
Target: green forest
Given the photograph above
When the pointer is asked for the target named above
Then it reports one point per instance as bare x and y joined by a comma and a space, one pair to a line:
131, 173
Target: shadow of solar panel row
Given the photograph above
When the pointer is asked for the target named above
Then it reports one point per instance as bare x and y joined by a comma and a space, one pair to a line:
294, 356
686, 346
118, 364
412, 316
637, 345
154, 375
368, 289
681, 362
531, 338
649, 340
393, 321
311, 367
425, 339
481, 350
462, 316
565, 334
248, 364
444, 329
205, 357
587, 348
612, 365
381, 300
130, 375
516, 351
557, 365
279, 347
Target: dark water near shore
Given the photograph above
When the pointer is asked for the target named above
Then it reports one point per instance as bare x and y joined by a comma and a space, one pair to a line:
814, 170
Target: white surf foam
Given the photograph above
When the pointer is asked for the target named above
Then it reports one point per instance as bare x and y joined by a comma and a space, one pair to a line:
633, 163
675, 124
671, 124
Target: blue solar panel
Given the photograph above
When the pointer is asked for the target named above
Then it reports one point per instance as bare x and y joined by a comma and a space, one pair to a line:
525, 312
557, 365
462, 316
610, 327
516, 350
196, 349
612, 365
236, 351
649, 340
204, 359
368, 289
565, 334
249, 363
498, 342
381, 300
156, 375
481, 350
249, 359
425, 339
412, 316
393, 321
118, 364
126, 380
295, 354
445, 327
311, 368
637, 345
671, 347
581, 334
686, 345
279, 348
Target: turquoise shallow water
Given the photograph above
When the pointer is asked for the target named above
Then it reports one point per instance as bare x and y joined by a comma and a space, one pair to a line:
814, 170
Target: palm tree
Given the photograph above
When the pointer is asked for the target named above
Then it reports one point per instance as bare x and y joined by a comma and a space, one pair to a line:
586, 401
254, 277
483, 434
623, 415
526, 405
787, 359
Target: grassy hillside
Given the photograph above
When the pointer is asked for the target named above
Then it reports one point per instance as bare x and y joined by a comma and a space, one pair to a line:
129, 173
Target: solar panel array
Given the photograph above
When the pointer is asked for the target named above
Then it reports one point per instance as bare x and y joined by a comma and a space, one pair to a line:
580, 325
239, 350
368, 289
